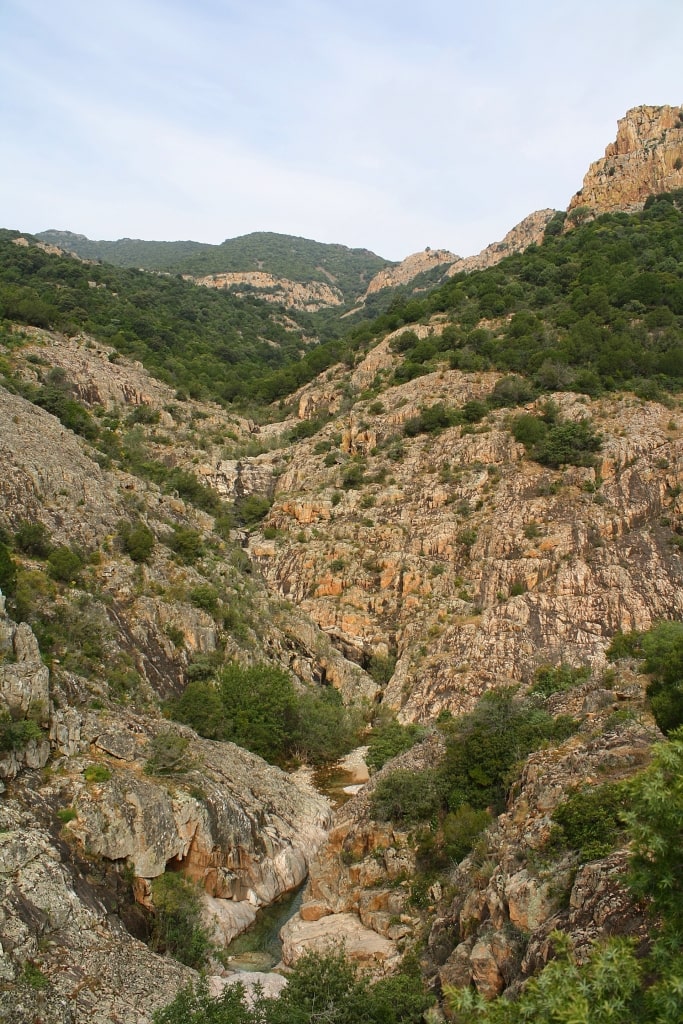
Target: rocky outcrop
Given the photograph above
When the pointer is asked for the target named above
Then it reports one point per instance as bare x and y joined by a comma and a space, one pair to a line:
24, 694
645, 159
63, 955
528, 232
239, 827
410, 268
464, 559
310, 297
358, 890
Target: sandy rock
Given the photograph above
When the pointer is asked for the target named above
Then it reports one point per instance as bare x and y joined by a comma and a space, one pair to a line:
336, 931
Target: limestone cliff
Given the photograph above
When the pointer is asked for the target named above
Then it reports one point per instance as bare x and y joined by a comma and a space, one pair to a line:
646, 158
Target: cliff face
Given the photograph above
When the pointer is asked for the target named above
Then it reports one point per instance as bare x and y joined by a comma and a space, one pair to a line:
645, 159
463, 559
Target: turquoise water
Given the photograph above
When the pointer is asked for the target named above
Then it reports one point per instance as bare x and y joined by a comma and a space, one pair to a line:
259, 948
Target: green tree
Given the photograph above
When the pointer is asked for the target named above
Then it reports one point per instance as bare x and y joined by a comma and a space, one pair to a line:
64, 565
177, 928
136, 538
8, 571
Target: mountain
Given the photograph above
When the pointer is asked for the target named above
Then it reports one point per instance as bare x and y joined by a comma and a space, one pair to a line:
263, 261
454, 538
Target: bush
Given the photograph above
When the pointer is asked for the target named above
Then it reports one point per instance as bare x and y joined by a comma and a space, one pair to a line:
15, 734
8, 571
33, 539
461, 829
528, 429
591, 819
97, 773
389, 739
205, 597
572, 444
168, 754
64, 565
177, 928
381, 668
137, 540
405, 796
259, 709
186, 543
321, 989
549, 679
249, 511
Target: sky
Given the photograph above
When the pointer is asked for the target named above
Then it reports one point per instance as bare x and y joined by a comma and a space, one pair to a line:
378, 124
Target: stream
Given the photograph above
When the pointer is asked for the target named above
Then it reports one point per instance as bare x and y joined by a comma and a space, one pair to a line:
259, 947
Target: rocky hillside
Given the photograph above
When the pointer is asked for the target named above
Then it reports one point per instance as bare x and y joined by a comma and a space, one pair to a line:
449, 539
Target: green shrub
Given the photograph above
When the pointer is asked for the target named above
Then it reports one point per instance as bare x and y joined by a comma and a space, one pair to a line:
406, 797
186, 543
528, 429
259, 709
572, 444
321, 989
250, 510
591, 819
483, 747
177, 928
205, 597
381, 668
64, 565
168, 754
33, 539
550, 679
461, 829
389, 739
8, 571
97, 773
16, 733
67, 814
625, 645
143, 414
137, 540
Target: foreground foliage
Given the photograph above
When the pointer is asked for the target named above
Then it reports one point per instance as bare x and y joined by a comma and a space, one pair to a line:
616, 985
321, 988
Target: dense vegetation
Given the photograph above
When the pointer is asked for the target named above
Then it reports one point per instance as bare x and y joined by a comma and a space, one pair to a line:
203, 342
597, 308
259, 708
482, 749
298, 259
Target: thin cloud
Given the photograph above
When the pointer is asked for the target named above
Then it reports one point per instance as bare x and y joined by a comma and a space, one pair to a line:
374, 124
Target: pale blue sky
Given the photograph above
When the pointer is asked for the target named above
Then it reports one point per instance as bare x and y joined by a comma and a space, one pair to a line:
387, 125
